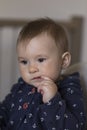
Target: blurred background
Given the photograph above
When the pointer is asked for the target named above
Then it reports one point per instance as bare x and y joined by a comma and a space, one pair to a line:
25, 10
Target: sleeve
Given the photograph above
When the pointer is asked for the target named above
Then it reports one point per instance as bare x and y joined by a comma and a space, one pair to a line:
66, 110
4, 111
5, 107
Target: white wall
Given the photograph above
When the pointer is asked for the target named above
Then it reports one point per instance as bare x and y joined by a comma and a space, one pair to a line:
27, 9
35, 8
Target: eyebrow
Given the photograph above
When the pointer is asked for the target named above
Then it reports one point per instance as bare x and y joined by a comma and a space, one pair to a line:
22, 58
41, 55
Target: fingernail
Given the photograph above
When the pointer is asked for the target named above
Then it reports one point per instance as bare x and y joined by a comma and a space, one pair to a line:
42, 92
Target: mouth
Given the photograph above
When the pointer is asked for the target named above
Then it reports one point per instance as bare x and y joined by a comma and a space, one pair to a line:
36, 81
37, 78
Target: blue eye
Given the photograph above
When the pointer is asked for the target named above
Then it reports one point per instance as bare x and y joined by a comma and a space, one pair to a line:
41, 59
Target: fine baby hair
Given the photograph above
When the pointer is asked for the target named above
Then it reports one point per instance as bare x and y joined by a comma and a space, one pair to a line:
45, 25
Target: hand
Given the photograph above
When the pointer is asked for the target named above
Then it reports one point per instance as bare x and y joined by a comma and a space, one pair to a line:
47, 88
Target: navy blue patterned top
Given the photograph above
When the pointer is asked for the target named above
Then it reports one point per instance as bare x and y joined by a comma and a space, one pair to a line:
23, 108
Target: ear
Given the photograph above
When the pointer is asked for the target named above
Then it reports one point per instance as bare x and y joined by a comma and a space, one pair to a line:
66, 59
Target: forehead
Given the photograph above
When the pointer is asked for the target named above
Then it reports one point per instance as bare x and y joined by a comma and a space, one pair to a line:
40, 42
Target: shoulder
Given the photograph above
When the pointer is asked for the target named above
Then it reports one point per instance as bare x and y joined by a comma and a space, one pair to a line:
21, 85
14, 89
17, 85
74, 76
71, 79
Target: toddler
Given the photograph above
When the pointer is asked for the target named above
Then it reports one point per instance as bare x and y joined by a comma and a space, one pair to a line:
43, 99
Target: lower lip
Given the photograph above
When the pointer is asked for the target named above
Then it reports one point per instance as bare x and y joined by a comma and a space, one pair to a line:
37, 79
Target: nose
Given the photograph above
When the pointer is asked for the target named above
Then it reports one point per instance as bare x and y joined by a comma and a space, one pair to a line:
32, 68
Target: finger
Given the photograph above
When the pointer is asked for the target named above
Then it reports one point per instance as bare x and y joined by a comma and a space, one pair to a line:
41, 91
47, 81
46, 78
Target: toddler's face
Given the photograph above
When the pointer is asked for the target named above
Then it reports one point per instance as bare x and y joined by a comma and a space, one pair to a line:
39, 57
